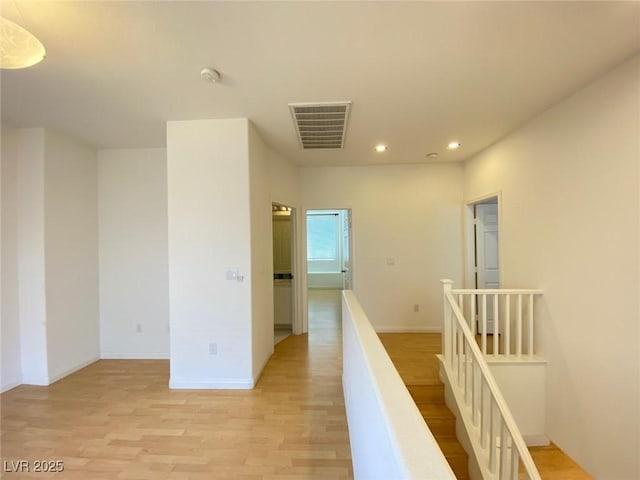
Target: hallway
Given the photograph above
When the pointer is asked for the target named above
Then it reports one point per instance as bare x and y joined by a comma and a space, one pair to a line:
117, 419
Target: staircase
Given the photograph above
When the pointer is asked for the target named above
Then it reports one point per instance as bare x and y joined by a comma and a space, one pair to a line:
414, 356
442, 423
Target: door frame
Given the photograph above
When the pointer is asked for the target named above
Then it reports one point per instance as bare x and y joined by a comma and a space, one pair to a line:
469, 238
295, 268
302, 319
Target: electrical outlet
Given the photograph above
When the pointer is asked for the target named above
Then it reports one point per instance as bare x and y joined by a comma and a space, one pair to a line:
416, 307
213, 348
138, 328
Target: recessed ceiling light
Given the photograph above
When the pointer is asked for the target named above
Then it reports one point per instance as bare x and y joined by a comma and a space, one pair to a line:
453, 145
432, 155
210, 75
381, 148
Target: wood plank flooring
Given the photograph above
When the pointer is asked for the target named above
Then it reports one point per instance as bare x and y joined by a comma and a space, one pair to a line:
117, 419
413, 355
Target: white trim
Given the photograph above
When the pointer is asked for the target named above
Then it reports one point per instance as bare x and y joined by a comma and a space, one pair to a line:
514, 360
468, 233
213, 384
69, 371
9, 386
401, 329
539, 440
257, 375
134, 356
39, 381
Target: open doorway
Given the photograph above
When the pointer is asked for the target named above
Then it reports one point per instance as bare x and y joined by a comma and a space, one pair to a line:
283, 218
483, 258
329, 264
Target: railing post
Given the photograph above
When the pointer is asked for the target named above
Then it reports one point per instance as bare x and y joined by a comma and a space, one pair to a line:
446, 327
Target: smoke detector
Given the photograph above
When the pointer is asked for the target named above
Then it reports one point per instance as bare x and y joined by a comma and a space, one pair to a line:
210, 75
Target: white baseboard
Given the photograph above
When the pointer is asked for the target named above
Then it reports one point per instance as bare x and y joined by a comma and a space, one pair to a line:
133, 356
257, 375
9, 386
401, 329
39, 381
213, 384
536, 440
69, 371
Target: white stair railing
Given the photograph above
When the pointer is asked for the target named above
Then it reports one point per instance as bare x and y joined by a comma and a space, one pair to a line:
510, 313
495, 438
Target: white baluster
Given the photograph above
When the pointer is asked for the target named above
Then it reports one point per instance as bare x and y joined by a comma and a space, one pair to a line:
483, 415
496, 326
468, 375
493, 437
530, 313
475, 398
507, 326
484, 324
515, 463
460, 357
472, 316
448, 320
504, 450
519, 327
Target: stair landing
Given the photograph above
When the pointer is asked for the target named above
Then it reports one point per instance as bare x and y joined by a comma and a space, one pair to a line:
414, 356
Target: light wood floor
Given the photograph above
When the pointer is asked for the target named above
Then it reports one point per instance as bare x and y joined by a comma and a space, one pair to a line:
413, 355
117, 419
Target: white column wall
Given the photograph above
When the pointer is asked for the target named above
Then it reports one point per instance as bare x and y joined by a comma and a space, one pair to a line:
570, 225
11, 368
261, 253
209, 234
31, 257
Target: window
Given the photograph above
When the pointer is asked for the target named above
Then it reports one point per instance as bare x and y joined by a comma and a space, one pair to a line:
322, 236
323, 242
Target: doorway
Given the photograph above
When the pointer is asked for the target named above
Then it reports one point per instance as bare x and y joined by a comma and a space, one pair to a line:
483, 259
283, 219
329, 261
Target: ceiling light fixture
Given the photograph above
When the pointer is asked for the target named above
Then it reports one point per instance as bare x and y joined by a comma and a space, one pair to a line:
381, 148
210, 75
19, 48
432, 155
453, 145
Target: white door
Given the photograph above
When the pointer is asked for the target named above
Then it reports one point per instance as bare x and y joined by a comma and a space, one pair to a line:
487, 265
346, 253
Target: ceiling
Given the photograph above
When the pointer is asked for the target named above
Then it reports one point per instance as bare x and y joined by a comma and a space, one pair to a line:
419, 74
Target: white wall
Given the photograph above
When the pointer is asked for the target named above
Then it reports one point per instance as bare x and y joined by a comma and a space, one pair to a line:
408, 213
50, 245
261, 252
569, 182
209, 233
71, 254
134, 277
31, 256
11, 371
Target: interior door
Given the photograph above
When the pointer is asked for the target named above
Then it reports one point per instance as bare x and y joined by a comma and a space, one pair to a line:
487, 263
346, 253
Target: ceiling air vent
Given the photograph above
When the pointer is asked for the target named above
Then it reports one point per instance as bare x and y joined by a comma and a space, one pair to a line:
320, 125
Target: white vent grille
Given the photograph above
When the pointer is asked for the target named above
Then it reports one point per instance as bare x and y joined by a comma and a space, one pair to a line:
320, 125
